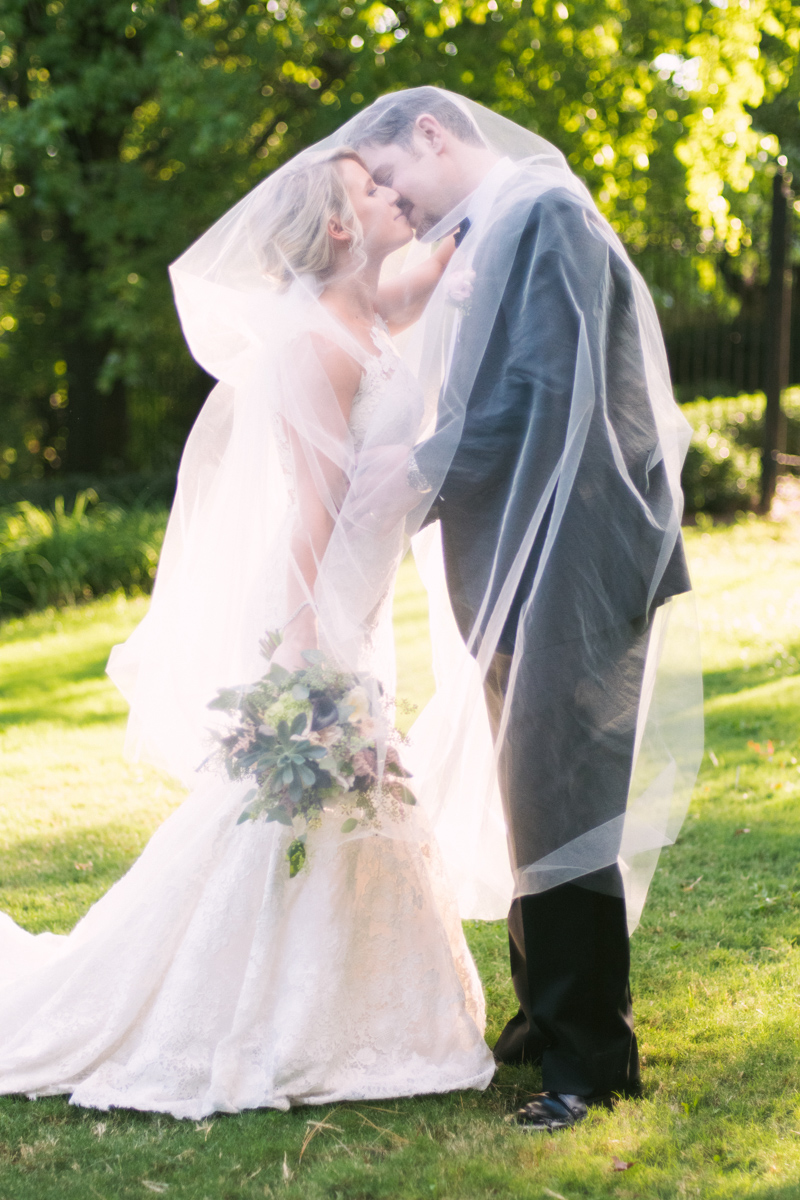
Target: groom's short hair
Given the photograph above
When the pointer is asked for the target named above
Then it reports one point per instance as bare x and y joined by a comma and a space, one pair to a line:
391, 119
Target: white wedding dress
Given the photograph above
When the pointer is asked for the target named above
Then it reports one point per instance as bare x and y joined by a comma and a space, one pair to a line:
206, 980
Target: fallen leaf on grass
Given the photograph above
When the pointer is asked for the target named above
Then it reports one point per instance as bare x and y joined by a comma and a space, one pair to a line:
619, 1164
692, 886
738, 832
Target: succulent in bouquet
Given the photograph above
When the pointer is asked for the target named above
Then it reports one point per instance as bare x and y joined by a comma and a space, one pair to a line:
314, 740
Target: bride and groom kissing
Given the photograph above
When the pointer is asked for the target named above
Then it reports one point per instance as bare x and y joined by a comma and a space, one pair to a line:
522, 432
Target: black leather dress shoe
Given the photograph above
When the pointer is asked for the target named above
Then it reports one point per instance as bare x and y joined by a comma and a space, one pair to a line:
550, 1111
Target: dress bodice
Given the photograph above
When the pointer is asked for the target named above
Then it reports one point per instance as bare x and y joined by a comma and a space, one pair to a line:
378, 371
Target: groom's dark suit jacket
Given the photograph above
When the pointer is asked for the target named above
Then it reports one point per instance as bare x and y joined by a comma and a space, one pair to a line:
567, 759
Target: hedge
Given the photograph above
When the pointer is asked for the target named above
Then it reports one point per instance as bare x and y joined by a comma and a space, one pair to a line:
723, 467
52, 556
59, 557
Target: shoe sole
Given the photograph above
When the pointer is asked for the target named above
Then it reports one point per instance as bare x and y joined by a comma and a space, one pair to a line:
550, 1127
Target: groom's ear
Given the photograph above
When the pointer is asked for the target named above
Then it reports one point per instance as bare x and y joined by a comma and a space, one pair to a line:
430, 132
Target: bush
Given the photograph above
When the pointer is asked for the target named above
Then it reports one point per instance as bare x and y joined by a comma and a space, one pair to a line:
138, 489
49, 556
722, 472
55, 557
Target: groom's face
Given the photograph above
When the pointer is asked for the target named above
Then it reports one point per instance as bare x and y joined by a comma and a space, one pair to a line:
418, 174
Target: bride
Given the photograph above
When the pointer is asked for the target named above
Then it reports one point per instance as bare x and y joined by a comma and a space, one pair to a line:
209, 979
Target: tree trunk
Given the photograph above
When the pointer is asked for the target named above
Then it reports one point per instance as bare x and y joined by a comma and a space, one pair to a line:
779, 313
97, 422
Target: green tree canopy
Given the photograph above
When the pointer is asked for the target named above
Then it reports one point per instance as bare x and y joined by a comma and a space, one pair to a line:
127, 128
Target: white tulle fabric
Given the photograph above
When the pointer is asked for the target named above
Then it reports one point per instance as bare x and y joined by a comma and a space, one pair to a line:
552, 468
218, 586
207, 980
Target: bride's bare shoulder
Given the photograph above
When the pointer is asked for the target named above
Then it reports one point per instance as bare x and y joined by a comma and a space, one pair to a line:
339, 368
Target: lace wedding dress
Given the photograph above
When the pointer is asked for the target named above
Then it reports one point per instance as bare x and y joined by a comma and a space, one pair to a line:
206, 980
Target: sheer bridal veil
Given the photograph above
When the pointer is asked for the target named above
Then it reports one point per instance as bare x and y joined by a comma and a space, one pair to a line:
587, 513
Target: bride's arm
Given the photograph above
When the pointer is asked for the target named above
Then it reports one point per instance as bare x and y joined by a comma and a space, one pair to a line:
401, 301
320, 487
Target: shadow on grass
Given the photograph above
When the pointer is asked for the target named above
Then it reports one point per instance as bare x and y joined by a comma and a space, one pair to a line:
722, 897
741, 679
48, 691
767, 711
101, 853
53, 713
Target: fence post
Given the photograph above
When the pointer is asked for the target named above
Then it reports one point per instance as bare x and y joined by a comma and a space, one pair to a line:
779, 310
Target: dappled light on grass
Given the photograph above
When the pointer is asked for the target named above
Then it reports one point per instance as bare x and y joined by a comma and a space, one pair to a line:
716, 964
67, 796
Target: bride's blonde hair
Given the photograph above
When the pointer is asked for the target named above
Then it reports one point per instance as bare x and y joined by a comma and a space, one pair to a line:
292, 223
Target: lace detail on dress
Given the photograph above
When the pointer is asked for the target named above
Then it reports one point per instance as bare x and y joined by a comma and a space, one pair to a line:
285, 456
207, 980
378, 371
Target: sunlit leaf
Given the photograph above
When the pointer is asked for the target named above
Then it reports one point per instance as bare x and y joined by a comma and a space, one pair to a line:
296, 854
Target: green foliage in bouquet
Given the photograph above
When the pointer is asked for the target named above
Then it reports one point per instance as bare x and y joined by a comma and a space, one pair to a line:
309, 739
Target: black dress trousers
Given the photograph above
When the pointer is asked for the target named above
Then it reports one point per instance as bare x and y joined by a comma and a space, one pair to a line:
570, 965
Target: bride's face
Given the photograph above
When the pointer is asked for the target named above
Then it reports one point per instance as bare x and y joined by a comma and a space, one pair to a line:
385, 226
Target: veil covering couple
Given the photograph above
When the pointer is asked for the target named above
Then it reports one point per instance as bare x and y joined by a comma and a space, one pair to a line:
521, 434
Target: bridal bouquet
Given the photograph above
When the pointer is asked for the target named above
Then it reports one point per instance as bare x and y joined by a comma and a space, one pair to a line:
308, 739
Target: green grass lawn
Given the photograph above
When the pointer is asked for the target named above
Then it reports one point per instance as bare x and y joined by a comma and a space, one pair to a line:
716, 963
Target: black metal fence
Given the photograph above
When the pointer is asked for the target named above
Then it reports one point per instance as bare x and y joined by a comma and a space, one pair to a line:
730, 330
712, 351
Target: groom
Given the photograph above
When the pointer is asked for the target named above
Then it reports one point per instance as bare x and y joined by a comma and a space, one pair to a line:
569, 943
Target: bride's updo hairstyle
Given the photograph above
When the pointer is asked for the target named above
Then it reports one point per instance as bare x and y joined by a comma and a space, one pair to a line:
292, 235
